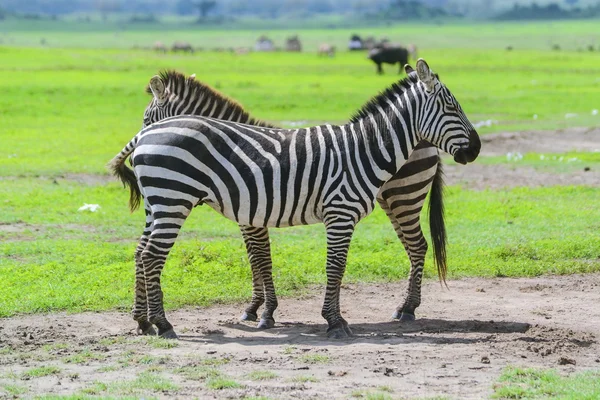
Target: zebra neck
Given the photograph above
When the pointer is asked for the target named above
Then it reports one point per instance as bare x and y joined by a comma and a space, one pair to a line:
389, 138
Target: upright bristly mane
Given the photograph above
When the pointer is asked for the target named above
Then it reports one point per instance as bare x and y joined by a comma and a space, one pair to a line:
177, 83
372, 106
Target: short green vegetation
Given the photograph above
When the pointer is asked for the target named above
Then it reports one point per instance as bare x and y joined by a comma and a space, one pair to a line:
260, 375
61, 128
314, 358
221, 382
39, 372
537, 384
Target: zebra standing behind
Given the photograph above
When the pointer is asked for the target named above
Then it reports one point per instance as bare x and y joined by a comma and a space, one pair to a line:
262, 177
402, 198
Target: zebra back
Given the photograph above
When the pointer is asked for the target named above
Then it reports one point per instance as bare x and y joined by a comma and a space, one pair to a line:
175, 94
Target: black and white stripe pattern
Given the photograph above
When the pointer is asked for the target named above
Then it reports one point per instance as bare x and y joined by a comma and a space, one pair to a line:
402, 197
265, 177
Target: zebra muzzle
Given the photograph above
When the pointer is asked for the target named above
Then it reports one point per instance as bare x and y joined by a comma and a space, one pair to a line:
469, 154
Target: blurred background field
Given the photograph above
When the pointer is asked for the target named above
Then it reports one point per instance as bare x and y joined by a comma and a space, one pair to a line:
72, 94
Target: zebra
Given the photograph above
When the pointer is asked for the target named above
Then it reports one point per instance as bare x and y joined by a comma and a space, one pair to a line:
402, 197
265, 177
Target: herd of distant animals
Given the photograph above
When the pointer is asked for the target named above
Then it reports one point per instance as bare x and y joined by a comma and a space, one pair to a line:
199, 147
380, 52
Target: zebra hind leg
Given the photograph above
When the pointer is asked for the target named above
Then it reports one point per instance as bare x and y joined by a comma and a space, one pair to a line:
160, 241
263, 289
405, 218
140, 307
258, 295
339, 234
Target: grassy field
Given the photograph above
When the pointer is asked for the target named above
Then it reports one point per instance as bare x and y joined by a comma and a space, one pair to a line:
66, 112
569, 35
528, 383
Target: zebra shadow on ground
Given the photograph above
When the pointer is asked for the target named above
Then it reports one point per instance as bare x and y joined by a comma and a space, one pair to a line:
434, 331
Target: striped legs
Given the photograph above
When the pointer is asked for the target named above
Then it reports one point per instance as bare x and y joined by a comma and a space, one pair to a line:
402, 198
259, 255
140, 308
339, 230
163, 224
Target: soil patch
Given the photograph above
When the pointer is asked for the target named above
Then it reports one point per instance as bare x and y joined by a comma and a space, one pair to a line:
462, 340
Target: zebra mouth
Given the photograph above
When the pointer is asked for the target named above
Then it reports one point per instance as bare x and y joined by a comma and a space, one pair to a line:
468, 152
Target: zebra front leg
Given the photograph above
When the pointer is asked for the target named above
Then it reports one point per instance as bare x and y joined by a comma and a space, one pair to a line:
259, 255
140, 307
339, 235
160, 241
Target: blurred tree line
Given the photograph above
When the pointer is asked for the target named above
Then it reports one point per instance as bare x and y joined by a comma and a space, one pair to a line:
374, 9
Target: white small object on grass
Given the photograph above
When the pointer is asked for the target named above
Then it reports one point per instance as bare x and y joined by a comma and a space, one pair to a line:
514, 156
594, 112
89, 207
535, 116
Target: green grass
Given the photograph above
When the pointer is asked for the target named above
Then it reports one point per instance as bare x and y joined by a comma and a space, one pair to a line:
66, 112
39, 372
83, 357
260, 375
305, 379
534, 384
13, 390
314, 358
198, 372
523, 235
458, 34
220, 383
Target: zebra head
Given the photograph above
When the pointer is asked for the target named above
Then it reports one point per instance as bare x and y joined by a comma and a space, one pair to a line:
165, 97
441, 121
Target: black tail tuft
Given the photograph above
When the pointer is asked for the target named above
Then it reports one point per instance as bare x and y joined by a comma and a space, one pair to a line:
436, 222
126, 175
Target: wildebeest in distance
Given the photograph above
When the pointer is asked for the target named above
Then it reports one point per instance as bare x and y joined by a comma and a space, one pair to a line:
389, 55
159, 47
182, 46
326, 50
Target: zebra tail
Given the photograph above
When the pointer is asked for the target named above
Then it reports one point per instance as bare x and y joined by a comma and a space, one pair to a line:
436, 222
119, 169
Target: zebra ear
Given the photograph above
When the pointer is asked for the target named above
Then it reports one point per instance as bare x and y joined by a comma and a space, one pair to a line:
192, 77
425, 74
408, 69
158, 89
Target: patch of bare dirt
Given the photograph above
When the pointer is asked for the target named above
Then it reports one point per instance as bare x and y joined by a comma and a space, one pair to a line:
480, 176
458, 347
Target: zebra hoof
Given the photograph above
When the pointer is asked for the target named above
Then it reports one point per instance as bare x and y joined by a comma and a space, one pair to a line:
145, 328
170, 334
397, 314
405, 317
266, 323
248, 316
340, 330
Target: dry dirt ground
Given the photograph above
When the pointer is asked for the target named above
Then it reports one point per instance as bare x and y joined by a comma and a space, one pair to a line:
457, 348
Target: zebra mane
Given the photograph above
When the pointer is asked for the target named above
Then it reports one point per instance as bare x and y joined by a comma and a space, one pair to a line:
381, 100
177, 83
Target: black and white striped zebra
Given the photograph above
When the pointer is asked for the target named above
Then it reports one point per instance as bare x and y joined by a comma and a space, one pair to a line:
264, 177
402, 197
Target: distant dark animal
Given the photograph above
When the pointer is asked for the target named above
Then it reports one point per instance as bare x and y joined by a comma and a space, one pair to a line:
355, 43
293, 44
555, 47
183, 47
509, 48
591, 47
389, 55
